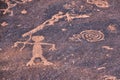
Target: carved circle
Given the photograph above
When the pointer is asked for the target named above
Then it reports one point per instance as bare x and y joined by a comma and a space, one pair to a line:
92, 35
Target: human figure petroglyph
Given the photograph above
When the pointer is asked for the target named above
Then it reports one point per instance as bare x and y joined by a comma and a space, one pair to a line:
37, 51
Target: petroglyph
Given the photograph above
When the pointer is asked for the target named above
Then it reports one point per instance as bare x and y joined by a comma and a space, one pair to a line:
11, 4
107, 47
8, 9
112, 28
109, 77
92, 35
37, 51
55, 18
88, 35
99, 3
73, 6
75, 37
4, 24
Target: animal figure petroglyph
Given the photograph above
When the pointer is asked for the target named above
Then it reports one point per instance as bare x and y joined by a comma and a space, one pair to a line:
37, 51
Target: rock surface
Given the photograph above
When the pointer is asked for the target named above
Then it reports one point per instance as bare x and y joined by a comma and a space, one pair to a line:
73, 60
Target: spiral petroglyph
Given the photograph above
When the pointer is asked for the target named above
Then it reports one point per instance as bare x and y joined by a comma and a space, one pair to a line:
89, 35
92, 35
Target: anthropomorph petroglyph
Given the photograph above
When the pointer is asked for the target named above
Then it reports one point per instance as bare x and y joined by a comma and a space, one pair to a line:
89, 35
37, 51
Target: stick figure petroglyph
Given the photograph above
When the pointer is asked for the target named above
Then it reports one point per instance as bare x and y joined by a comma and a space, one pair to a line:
37, 51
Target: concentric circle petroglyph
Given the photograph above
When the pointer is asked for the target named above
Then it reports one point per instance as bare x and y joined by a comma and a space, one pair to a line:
92, 35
